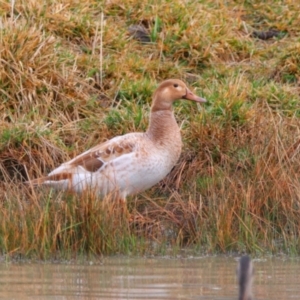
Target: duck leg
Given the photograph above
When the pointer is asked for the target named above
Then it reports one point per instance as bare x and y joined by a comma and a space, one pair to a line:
124, 209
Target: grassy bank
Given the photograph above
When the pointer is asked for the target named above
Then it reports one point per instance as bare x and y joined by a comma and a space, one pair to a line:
72, 75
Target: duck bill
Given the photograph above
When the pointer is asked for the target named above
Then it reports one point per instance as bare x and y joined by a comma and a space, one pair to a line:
191, 96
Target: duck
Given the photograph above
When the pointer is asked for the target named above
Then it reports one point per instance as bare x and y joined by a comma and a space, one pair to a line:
131, 163
245, 278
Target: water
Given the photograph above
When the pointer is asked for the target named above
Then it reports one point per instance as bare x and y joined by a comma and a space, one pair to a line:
148, 278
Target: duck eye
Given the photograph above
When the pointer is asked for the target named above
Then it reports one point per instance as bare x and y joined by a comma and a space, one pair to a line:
175, 85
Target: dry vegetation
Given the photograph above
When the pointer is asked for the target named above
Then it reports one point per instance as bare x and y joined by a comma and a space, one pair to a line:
72, 76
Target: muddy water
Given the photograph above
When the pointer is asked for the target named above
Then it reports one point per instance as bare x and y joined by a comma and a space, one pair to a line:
148, 278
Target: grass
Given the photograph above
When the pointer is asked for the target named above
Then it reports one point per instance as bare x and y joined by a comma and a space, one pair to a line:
71, 76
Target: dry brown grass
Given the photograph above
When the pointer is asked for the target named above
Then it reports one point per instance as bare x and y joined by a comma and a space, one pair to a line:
71, 76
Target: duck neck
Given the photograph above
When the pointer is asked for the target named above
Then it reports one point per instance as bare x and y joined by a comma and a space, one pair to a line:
163, 127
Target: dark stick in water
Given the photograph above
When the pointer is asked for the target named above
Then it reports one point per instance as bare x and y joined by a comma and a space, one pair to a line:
245, 277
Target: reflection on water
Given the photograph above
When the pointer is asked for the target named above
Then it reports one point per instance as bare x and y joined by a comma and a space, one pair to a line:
149, 278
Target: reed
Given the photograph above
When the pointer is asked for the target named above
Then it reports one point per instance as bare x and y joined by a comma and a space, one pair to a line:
72, 76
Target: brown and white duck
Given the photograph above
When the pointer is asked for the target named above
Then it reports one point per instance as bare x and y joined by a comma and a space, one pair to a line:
133, 162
